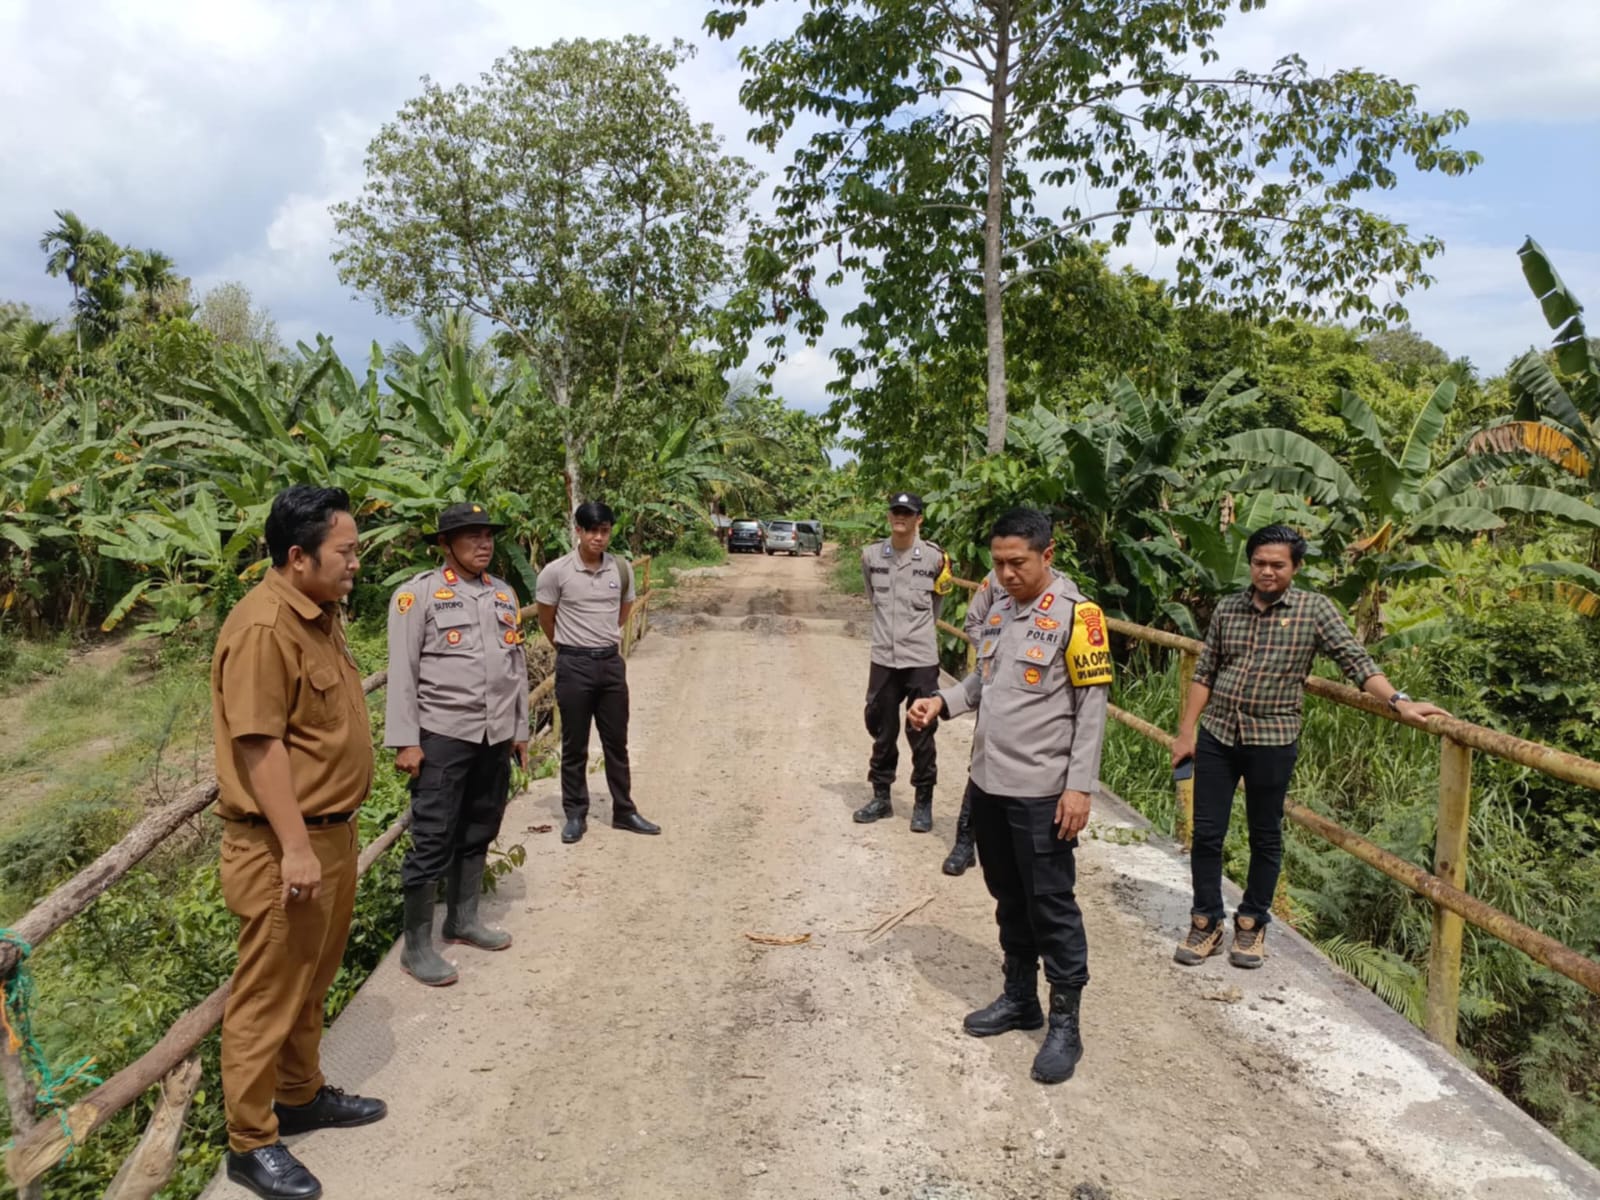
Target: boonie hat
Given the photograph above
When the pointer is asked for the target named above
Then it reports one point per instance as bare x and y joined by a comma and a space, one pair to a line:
906, 500
463, 516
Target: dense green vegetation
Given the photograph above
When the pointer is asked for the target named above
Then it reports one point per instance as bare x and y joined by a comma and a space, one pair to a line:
1451, 511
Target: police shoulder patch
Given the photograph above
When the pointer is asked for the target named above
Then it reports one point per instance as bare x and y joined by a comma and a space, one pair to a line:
404, 601
945, 582
1088, 653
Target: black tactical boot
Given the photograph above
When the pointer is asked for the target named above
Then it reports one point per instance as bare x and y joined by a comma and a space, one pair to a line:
962, 854
419, 959
922, 810
876, 808
462, 888
1063, 1046
1017, 1006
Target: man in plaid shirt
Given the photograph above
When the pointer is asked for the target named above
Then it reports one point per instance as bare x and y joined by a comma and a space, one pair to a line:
1249, 686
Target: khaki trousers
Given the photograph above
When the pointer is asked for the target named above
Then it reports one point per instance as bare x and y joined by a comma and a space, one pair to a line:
272, 1026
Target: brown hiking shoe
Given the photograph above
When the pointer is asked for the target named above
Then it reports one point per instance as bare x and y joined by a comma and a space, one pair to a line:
1249, 943
1204, 940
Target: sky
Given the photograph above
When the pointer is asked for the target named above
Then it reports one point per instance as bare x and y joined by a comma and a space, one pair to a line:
221, 132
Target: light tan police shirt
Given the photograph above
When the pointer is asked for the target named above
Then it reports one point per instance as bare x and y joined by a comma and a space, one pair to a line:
907, 591
456, 664
588, 601
1041, 690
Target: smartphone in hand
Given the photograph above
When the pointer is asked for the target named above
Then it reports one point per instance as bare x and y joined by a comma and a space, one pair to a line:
1184, 770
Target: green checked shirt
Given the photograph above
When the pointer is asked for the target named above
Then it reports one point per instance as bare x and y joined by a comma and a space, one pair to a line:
1255, 663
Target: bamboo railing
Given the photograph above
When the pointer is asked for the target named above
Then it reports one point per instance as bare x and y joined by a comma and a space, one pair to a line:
1444, 887
38, 1145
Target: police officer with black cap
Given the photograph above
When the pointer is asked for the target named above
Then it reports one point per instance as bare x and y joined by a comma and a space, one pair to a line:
457, 714
907, 579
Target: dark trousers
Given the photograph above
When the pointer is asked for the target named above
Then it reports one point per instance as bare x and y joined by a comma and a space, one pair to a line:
457, 801
593, 689
1217, 771
888, 689
1032, 876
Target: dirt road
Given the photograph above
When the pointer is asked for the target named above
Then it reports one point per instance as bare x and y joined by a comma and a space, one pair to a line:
635, 1043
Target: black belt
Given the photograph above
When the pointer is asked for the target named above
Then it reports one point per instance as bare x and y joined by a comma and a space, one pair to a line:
328, 819
588, 651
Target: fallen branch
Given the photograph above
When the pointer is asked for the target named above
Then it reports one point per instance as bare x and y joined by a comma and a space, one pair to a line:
779, 939
882, 928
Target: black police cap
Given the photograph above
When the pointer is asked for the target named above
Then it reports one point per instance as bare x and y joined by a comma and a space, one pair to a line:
463, 516
906, 500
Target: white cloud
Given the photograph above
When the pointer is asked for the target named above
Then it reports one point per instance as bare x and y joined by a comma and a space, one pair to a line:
221, 132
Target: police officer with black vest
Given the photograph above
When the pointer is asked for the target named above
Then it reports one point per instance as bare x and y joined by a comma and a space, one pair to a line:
907, 579
457, 714
1041, 692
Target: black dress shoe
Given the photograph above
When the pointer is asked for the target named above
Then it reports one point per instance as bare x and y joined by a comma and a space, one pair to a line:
273, 1173
572, 831
330, 1108
633, 821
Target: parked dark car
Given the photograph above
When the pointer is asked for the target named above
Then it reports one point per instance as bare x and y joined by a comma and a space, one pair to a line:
746, 536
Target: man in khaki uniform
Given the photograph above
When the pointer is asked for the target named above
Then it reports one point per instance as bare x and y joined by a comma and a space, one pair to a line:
1041, 692
457, 714
963, 853
907, 579
294, 763
585, 598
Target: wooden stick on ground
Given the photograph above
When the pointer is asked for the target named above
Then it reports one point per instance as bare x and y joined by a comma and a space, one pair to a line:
882, 928
147, 1169
19, 1098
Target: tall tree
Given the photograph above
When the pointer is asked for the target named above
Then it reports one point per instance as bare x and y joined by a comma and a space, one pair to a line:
569, 199
962, 143
154, 277
85, 256
228, 313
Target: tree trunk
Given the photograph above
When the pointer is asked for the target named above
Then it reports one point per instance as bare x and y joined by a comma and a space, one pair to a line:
994, 211
572, 449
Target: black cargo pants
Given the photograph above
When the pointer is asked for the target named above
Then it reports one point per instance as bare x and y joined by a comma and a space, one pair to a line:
888, 689
457, 802
1033, 876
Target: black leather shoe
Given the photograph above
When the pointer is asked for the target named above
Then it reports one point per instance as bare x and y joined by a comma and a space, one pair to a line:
572, 831
633, 821
329, 1109
273, 1173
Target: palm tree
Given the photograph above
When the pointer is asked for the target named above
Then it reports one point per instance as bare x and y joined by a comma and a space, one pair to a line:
83, 255
152, 273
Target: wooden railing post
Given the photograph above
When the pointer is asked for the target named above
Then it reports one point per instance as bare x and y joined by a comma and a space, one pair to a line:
1450, 865
1183, 819
19, 1100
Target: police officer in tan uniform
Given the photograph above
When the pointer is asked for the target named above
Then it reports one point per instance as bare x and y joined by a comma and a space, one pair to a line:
963, 853
907, 579
457, 715
585, 598
1041, 692
294, 763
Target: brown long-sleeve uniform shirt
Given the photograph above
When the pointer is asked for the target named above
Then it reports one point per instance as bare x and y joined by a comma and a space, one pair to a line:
282, 669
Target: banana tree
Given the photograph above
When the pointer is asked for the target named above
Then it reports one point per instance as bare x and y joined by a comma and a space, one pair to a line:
1384, 510
1558, 417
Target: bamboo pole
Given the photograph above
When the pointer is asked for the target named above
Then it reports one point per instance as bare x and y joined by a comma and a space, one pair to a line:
1450, 865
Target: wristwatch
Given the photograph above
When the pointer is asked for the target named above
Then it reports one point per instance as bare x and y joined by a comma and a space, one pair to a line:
1394, 700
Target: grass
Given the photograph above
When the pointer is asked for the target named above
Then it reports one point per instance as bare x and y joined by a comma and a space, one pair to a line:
693, 553
22, 661
89, 749
847, 577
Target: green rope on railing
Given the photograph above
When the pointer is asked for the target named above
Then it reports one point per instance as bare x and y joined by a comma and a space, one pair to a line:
16, 1027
